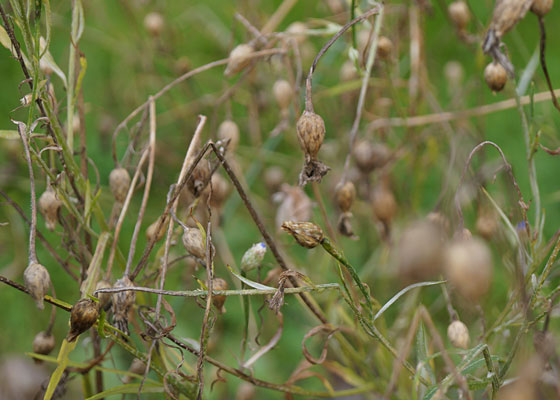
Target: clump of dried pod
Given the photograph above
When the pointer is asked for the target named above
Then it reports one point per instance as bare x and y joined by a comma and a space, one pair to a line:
369, 156
383, 203
345, 194
239, 58
283, 93
295, 205
37, 280
495, 76
311, 133
460, 14
104, 298
384, 48
154, 23
458, 334
152, 232
192, 240
228, 130
542, 7
219, 299
49, 204
307, 234
82, 317
43, 343
119, 182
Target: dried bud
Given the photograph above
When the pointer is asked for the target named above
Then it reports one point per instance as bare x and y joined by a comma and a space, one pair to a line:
154, 23
495, 76
119, 182
345, 195
460, 14
43, 343
311, 133
369, 155
239, 58
384, 48
152, 234
192, 240
297, 30
137, 367
295, 205
220, 190
283, 93
486, 224
104, 298
82, 317
458, 334
383, 203
307, 234
228, 130
468, 266
122, 303
253, 257
439, 220
273, 178
37, 280
542, 7
219, 299
49, 205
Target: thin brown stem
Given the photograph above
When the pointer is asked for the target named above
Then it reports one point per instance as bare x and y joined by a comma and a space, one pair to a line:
543, 63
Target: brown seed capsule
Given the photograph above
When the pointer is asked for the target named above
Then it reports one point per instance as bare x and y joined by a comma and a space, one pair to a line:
307, 234
295, 205
37, 280
369, 156
486, 224
220, 190
82, 317
154, 23
119, 182
458, 334
384, 47
43, 343
460, 14
199, 178
239, 58
49, 205
104, 298
192, 240
383, 203
152, 234
137, 367
345, 195
495, 76
439, 220
542, 7
297, 31
228, 130
468, 266
311, 133
273, 178
122, 303
219, 299
283, 93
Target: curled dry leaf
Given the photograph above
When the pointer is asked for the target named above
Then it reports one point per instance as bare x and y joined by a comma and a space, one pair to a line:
329, 331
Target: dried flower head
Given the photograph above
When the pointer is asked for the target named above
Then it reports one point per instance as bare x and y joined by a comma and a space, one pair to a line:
283, 93
487, 223
153, 234
253, 257
199, 178
383, 203
104, 298
37, 280
239, 58
311, 133
307, 234
82, 317
122, 303
192, 240
384, 48
119, 182
43, 343
273, 178
220, 190
49, 205
154, 23
219, 299
228, 130
345, 194
495, 76
460, 14
369, 156
458, 334
542, 7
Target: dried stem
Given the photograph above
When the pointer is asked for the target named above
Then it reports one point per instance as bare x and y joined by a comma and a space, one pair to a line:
543, 63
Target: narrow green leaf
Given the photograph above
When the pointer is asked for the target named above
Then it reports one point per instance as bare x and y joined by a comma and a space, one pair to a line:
402, 292
128, 388
9, 134
62, 360
254, 285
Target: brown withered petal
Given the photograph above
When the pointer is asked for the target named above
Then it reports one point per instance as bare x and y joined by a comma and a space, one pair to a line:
307, 234
82, 317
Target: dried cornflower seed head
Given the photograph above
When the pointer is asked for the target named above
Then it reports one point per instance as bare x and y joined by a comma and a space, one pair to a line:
104, 298
283, 93
245, 391
384, 47
154, 23
307, 234
228, 130
253, 257
369, 156
542, 7
468, 266
49, 205
192, 240
345, 194
383, 203
122, 303
273, 178
454, 73
82, 317
495, 76
137, 367
219, 299
458, 334
239, 58
37, 280
460, 14
311, 133
119, 182
220, 190
297, 31
348, 71
43, 343
153, 234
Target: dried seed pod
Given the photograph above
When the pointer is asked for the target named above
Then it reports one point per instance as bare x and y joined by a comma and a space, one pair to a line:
273, 178
37, 280
239, 58
104, 298
283, 93
245, 391
369, 156
253, 257
49, 205
152, 234
82, 317
192, 240
542, 7
119, 182
154, 23
220, 190
43, 343
419, 252
468, 266
122, 303
307, 234
439, 220
460, 14
297, 30
295, 205
383, 203
137, 367
228, 130
384, 47
345, 194
311, 133
486, 224
505, 16
348, 71
219, 299
458, 334
495, 76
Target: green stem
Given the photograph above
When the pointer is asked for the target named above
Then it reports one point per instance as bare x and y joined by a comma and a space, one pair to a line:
490, 366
